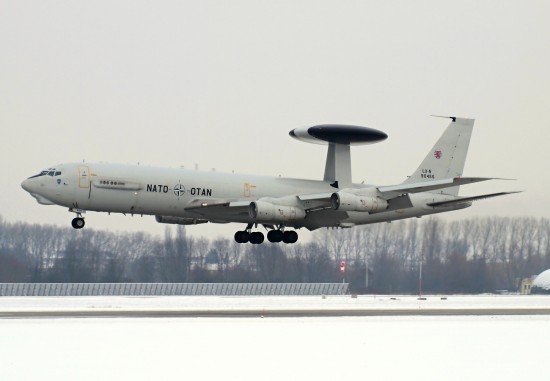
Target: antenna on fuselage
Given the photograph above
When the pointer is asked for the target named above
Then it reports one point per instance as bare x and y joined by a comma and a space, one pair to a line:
453, 118
339, 138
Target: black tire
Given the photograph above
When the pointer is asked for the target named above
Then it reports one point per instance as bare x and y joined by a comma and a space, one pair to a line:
78, 223
242, 236
290, 236
256, 238
275, 236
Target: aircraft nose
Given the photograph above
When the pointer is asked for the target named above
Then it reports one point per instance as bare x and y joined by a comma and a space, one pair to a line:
27, 185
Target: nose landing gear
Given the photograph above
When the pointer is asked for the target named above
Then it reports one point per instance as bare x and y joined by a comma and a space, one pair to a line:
78, 222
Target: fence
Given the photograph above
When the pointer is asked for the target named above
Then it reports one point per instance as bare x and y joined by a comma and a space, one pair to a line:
158, 289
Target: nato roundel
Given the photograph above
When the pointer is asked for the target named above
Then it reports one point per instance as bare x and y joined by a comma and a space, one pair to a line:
179, 190
338, 133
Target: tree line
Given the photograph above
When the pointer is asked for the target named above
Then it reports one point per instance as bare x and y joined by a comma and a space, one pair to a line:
467, 256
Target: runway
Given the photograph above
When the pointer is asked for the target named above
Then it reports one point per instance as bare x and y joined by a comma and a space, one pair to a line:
275, 307
279, 313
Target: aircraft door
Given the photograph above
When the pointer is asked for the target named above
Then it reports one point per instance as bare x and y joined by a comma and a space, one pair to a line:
248, 190
83, 176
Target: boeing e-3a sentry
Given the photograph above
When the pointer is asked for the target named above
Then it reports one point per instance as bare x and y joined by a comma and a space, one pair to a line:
280, 205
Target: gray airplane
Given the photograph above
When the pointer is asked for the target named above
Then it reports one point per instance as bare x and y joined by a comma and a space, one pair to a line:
188, 197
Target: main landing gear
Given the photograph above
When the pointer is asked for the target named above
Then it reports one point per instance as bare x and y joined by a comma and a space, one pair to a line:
275, 235
78, 222
244, 236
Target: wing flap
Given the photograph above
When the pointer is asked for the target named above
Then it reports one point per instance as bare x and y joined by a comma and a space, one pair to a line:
205, 203
219, 209
315, 196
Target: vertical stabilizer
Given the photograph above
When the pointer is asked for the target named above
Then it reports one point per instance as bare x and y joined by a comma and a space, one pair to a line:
447, 157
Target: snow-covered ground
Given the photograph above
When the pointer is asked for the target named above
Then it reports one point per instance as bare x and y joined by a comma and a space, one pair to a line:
41, 303
322, 348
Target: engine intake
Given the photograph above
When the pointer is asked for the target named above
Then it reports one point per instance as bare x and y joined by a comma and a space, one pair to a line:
348, 202
267, 212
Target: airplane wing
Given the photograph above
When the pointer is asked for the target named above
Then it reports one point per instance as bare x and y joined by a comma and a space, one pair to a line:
463, 200
316, 202
201, 204
427, 186
316, 196
219, 210
222, 210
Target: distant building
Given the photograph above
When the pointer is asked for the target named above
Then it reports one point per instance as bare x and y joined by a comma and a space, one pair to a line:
212, 261
526, 284
541, 284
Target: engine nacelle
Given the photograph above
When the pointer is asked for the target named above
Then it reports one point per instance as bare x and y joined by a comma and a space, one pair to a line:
348, 202
179, 220
263, 211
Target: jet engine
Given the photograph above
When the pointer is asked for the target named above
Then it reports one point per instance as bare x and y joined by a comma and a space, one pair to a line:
179, 220
267, 212
348, 202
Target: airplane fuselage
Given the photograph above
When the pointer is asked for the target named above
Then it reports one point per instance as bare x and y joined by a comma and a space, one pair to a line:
167, 192
182, 196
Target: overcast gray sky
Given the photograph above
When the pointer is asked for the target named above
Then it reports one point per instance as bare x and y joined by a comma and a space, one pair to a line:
220, 84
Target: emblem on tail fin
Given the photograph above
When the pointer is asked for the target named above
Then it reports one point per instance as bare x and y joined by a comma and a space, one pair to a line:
454, 142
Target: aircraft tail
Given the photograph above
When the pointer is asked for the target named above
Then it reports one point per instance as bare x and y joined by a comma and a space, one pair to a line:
447, 157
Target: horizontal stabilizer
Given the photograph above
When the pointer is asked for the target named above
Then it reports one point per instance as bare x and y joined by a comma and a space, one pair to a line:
463, 200
427, 186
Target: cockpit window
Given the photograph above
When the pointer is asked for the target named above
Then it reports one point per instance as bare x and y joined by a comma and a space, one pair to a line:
40, 174
49, 172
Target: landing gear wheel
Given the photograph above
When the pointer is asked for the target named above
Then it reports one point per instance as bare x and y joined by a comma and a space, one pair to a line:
290, 236
275, 236
78, 223
242, 236
256, 238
